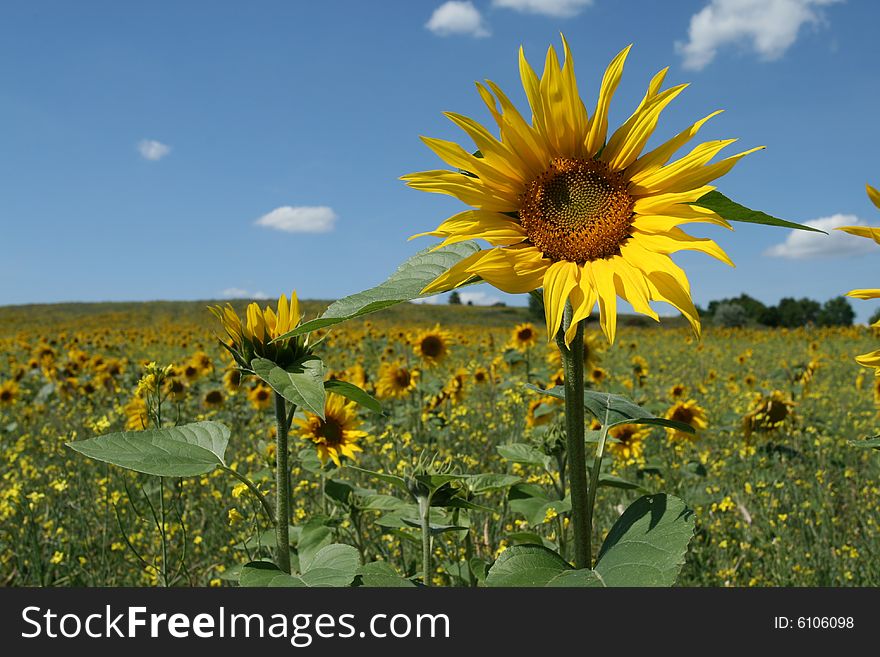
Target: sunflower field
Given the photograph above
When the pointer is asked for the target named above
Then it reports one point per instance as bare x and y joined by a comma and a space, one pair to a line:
779, 494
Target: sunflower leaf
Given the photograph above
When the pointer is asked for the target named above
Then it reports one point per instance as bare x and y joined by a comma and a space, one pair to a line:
657, 421
733, 211
354, 393
867, 443
301, 384
405, 284
184, 451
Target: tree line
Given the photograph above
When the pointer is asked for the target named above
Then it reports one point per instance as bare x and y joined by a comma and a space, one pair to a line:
789, 312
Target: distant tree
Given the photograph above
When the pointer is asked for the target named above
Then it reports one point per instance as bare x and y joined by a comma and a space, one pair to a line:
455, 298
730, 315
836, 312
798, 312
470, 303
499, 304
536, 306
753, 308
875, 317
770, 316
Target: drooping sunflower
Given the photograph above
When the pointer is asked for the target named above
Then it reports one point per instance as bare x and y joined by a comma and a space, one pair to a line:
395, 381
432, 345
260, 396
337, 434
871, 359
690, 413
213, 398
565, 207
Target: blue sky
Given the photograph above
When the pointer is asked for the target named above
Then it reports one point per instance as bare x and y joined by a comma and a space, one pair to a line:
140, 144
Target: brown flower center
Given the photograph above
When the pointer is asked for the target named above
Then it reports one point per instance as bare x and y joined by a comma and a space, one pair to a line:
331, 431
431, 346
577, 210
402, 378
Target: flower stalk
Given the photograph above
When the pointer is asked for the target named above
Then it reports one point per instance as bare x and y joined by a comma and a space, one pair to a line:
573, 364
282, 486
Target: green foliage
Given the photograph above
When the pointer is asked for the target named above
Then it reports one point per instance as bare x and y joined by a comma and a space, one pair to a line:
645, 547
184, 451
836, 312
405, 284
730, 315
302, 384
733, 211
333, 565
455, 298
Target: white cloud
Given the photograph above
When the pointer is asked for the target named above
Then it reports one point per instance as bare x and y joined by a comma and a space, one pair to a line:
557, 8
455, 17
769, 26
478, 298
803, 245
300, 219
153, 150
240, 293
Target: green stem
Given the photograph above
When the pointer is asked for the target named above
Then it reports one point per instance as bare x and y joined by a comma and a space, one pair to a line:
425, 518
573, 364
594, 475
282, 487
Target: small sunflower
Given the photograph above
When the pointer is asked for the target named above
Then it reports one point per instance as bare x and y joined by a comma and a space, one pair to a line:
213, 399
8, 392
337, 434
257, 336
564, 206
592, 353
690, 413
232, 380
396, 381
260, 396
481, 376
432, 345
524, 336
871, 359
768, 413
630, 445
597, 375
677, 391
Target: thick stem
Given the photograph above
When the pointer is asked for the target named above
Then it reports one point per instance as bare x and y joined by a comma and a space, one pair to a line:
425, 517
573, 364
282, 487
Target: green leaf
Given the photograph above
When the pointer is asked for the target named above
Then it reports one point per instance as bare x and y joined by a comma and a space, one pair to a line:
394, 480
657, 421
483, 483
523, 453
184, 451
613, 481
526, 565
647, 544
581, 578
604, 406
355, 394
266, 573
314, 537
379, 574
532, 502
332, 565
301, 384
733, 211
405, 284
868, 443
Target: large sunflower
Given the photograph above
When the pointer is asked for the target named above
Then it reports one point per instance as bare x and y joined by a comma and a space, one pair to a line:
871, 359
565, 207
337, 434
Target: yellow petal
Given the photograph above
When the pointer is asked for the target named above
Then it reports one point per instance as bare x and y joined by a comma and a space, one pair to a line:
656, 158
583, 300
497, 229
871, 359
874, 195
661, 203
515, 270
598, 127
691, 177
675, 240
871, 232
631, 286
467, 189
559, 279
627, 142
659, 221
603, 275
864, 293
